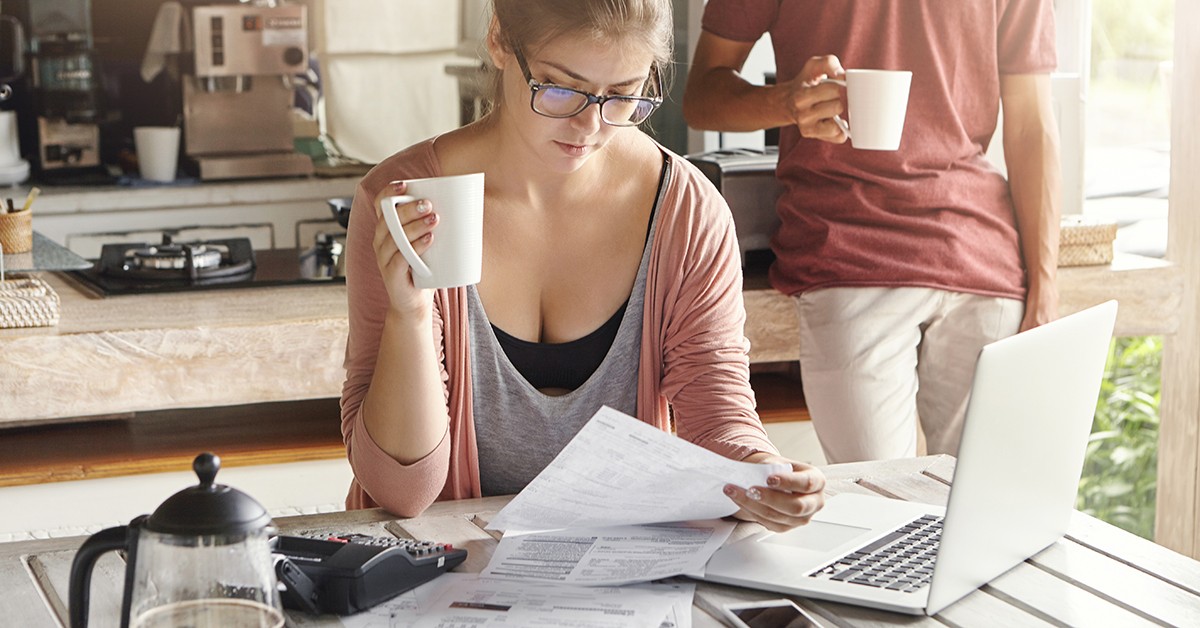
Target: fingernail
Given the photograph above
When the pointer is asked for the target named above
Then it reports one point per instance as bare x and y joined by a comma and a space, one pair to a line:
773, 480
422, 206
730, 491
431, 219
753, 493
399, 186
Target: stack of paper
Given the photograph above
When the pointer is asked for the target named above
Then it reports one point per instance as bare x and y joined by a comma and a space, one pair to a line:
623, 503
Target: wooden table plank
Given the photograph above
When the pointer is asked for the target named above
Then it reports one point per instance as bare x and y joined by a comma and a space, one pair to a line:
1141, 593
942, 468
1133, 550
858, 471
1056, 600
21, 601
53, 571
981, 608
916, 487
907, 479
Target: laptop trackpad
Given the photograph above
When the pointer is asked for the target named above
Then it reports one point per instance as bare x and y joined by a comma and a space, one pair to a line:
817, 536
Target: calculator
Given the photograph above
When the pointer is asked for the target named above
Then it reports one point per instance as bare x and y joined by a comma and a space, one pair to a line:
346, 573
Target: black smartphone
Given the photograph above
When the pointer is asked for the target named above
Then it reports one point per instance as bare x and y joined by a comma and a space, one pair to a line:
769, 614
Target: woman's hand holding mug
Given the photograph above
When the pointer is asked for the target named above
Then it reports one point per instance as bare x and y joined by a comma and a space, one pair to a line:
418, 222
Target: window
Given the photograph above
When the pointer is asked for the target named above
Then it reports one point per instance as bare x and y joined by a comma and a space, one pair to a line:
1129, 46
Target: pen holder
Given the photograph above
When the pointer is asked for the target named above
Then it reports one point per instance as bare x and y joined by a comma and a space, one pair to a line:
16, 231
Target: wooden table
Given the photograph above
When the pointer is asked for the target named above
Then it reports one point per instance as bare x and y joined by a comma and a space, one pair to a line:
1097, 575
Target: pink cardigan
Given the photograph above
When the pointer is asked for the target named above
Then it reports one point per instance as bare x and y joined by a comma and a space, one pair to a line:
694, 353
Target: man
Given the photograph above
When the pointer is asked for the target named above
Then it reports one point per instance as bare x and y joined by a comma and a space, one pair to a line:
903, 264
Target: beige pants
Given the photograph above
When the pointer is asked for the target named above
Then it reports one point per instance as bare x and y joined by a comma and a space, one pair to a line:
873, 360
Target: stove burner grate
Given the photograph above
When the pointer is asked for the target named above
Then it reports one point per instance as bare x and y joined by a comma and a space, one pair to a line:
173, 256
198, 263
241, 267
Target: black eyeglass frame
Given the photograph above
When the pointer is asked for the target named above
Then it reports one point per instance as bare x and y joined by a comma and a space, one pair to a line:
592, 99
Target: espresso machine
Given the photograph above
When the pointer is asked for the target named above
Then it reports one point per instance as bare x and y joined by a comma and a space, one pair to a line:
237, 102
59, 100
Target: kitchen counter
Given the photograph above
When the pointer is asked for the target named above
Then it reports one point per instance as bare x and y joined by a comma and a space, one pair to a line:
177, 350
232, 347
1148, 289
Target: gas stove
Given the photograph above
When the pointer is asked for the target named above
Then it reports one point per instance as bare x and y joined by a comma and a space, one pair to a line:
169, 266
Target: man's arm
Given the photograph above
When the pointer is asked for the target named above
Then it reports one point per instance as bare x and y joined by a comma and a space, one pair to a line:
1035, 180
718, 98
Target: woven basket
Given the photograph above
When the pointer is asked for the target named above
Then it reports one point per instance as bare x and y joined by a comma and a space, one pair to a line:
16, 231
1085, 241
27, 302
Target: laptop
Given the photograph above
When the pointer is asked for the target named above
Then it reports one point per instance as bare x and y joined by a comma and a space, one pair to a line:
1022, 451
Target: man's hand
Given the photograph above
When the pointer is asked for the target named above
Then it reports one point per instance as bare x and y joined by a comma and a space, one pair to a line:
813, 103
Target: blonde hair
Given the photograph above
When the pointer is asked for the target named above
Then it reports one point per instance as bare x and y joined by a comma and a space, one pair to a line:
529, 24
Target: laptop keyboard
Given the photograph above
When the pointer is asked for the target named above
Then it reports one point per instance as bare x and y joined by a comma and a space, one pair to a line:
900, 561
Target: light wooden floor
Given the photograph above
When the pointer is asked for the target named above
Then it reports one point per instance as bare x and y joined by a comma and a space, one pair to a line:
155, 442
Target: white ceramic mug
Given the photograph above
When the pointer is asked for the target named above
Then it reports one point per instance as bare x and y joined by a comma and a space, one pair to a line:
10, 148
455, 257
157, 151
878, 103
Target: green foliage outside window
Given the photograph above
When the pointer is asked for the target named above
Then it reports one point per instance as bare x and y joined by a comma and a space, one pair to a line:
1133, 29
1120, 473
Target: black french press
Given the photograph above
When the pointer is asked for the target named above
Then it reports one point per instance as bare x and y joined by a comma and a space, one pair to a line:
203, 558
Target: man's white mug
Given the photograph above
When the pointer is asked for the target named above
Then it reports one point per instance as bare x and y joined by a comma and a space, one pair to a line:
878, 102
455, 257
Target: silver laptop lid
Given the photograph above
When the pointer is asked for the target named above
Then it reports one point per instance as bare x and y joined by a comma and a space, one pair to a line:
1027, 424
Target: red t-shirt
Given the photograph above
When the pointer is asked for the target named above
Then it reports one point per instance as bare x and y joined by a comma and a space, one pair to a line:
934, 213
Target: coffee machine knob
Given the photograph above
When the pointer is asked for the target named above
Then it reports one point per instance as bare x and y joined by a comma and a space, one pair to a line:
293, 55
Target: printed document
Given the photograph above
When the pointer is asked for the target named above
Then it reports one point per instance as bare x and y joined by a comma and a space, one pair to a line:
609, 556
621, 471
486, 602
453, 600
468, 600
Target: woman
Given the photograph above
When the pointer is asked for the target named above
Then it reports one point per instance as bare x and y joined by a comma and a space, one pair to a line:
610, 277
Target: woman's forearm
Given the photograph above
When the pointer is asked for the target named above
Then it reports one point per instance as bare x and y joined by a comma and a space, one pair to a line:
405, 407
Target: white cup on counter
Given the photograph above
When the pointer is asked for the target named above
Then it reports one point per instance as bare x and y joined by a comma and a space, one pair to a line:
13, 169
157, 152
10, 148
877, 102
455, 257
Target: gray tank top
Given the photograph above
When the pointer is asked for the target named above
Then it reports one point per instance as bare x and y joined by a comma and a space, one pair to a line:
519, 430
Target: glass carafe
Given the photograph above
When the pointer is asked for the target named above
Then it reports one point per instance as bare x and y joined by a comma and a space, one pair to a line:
203, 559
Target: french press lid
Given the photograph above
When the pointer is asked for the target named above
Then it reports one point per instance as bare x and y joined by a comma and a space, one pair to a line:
208, 508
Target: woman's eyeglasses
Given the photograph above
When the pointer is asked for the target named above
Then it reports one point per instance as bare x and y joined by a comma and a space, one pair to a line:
556, 101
